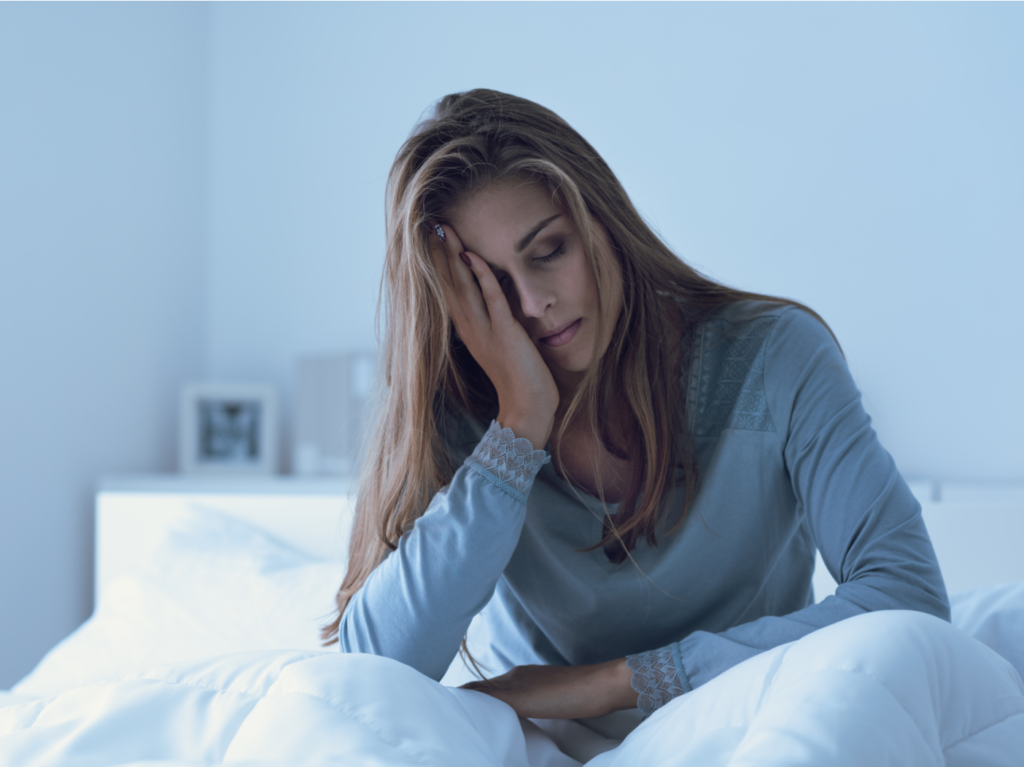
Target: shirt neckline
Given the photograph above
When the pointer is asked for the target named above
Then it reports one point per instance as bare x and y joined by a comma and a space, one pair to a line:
591, 501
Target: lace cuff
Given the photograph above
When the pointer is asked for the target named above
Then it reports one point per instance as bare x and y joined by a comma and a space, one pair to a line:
510, 462
658, 677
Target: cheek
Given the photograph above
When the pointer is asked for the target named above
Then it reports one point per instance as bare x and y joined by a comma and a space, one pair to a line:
588, 288
613, 295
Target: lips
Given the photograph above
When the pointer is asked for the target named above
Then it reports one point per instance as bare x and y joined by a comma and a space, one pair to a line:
562, 336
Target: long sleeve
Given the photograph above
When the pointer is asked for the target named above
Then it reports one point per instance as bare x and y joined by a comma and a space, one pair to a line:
862, 516
417, 604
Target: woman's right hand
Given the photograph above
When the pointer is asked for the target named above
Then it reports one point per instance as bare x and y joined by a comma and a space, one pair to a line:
527, 394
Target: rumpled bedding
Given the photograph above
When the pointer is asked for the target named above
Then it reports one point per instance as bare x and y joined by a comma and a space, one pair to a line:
894, 687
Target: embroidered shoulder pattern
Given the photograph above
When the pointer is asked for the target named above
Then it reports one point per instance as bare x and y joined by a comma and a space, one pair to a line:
730, 385
509, 461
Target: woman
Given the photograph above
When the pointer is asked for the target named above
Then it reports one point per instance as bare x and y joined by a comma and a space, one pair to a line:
627, 463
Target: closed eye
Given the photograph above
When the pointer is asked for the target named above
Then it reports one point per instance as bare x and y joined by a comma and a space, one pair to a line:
559, 251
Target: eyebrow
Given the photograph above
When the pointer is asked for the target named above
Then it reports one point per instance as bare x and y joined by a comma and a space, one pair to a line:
523, 243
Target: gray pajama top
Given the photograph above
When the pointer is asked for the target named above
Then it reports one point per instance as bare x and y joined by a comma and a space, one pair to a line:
788, 462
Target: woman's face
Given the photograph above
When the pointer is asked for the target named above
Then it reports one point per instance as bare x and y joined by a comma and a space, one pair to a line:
536, 253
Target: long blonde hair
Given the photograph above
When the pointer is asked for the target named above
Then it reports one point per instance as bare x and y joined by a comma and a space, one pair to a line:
473, 139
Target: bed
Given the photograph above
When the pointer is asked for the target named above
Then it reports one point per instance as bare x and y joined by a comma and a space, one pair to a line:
203, 649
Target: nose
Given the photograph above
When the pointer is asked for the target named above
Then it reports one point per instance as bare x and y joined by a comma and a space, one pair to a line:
534, 298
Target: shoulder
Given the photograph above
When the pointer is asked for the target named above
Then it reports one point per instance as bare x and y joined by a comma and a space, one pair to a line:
744, 356
741, 322
807, 381
749, 328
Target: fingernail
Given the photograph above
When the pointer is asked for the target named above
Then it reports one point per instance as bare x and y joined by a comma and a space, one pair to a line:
439, 231
465, 259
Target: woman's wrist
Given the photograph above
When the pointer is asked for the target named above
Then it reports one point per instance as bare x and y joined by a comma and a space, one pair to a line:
529, 426
617, 686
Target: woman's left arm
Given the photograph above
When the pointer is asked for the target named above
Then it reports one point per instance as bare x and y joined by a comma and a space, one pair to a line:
864, 519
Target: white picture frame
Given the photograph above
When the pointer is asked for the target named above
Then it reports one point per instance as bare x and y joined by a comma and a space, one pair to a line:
228, 429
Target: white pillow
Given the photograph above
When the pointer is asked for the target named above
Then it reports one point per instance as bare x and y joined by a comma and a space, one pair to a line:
215, 585
245, 585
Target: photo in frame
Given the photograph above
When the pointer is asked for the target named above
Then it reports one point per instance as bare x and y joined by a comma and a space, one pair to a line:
228, 429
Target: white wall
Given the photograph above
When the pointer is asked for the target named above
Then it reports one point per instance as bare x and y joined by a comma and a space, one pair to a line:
865, 159
164, 216
101, 283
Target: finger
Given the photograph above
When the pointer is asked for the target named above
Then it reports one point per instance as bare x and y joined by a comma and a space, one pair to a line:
465, 281
493, 296
466, 303
442, 257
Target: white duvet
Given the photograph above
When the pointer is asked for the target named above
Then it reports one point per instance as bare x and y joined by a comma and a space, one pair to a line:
883, 688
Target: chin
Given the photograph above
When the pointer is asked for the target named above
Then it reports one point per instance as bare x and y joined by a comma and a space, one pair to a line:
570, 364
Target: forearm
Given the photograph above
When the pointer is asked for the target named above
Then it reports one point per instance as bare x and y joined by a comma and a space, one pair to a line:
416, 606
563, 692
705, 655
662, 674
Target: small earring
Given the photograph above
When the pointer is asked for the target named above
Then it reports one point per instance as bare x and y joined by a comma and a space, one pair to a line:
439, 232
